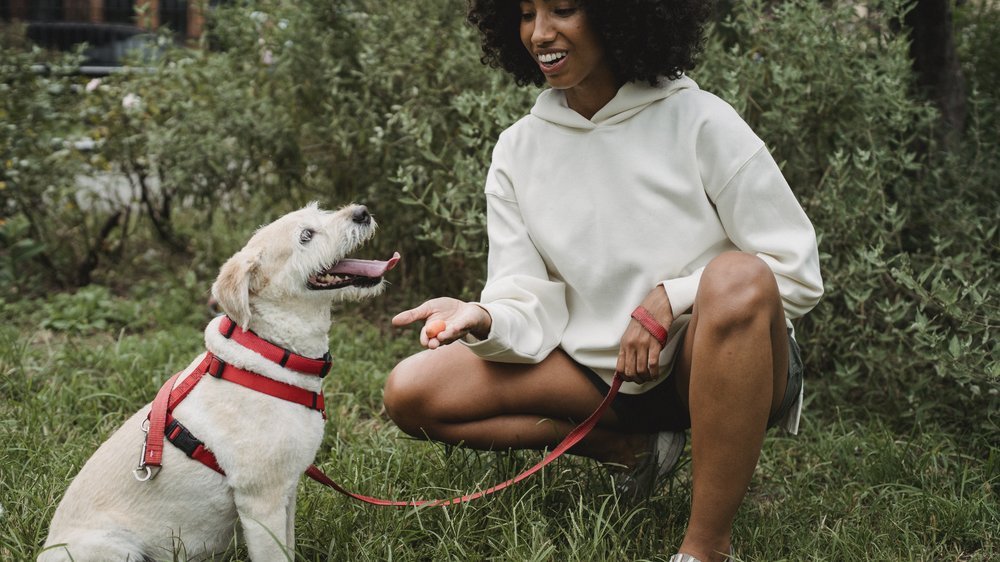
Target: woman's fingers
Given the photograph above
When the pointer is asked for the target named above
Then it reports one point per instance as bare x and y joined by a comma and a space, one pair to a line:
410, 316
639, 356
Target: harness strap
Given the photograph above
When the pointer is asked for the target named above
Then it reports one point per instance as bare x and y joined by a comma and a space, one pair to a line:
275, 353
571, 439
152, 449
162, 425
249, 379
193, 447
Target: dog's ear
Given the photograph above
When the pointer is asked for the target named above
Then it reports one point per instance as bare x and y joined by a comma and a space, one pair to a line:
233, 285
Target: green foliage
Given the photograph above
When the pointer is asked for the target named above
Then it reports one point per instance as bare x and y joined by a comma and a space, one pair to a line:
42, 219
976, 25
19, 249
87, 310
907, 234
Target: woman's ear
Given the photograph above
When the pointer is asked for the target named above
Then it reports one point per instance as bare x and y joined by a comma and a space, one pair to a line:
233, 285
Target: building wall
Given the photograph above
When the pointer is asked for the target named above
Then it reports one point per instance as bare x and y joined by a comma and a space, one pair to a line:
185, 16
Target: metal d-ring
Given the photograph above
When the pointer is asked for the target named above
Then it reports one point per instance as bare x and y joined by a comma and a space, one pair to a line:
142, 473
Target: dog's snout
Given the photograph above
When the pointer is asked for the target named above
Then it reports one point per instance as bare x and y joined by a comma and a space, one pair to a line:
361, 215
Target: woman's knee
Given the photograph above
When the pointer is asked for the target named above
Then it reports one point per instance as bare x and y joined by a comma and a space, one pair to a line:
406, 398
737, 289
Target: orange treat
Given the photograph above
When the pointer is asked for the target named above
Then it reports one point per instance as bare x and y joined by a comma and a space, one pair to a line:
434, 328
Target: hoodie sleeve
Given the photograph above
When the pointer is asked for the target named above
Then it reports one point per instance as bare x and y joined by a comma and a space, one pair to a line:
757, 209
528, 310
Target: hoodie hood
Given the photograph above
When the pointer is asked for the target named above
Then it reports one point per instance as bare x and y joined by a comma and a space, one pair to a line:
631, 99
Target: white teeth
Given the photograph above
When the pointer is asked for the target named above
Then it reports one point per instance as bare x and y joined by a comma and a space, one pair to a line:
551, 57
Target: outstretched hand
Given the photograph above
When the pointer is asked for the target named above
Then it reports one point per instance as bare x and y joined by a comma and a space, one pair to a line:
446, 320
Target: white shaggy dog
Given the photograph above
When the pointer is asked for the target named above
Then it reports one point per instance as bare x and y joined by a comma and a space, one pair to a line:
281, 287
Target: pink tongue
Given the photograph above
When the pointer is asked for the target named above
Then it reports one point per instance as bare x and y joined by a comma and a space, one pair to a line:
364, 268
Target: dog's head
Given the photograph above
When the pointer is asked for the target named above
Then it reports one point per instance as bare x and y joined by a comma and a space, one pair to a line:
302, 256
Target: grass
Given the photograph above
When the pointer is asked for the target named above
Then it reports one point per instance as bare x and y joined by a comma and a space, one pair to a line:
851, 486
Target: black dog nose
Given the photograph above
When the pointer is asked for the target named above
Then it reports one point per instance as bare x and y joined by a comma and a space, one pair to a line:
361, 215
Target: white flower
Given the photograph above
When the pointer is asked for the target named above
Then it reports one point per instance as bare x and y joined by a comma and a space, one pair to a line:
131, 102
267, 57
93, 84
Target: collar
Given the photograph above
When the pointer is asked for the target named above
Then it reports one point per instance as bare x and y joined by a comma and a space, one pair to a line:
275, 353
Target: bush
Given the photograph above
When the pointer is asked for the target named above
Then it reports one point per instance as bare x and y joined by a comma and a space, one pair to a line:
41, 218
909, 318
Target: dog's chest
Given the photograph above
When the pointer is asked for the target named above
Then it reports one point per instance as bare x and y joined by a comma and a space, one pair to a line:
245, 428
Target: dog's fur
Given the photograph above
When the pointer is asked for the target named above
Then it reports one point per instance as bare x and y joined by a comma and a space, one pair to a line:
263, 443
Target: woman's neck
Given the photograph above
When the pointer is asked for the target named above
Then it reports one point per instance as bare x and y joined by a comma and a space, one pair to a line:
588, 99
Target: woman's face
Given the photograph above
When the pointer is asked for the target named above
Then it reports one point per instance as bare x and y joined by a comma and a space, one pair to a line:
559, 38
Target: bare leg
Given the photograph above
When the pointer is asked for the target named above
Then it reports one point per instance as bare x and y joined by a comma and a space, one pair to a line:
733, 373
451, 395
730, 374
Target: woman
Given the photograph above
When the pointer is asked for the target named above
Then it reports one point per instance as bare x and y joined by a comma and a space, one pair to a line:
636, 226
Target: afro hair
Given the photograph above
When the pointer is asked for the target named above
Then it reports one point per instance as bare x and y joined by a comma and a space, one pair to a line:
644, 39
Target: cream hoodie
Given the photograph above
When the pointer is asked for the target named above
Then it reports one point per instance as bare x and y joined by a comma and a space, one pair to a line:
585, 217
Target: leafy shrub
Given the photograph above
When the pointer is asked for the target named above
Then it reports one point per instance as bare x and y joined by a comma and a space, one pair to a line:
909, 318
91, 308
43, 220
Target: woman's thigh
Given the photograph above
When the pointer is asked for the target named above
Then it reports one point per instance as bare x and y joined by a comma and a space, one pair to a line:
453, 385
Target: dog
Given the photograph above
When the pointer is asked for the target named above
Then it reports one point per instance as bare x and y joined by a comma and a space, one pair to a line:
280, 288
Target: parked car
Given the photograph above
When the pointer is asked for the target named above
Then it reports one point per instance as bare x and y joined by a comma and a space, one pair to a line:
108, 46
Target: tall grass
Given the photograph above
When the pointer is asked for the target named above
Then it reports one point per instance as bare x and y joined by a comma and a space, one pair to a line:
849, 487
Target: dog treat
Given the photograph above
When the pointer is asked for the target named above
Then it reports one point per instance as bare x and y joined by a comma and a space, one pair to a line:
436, 327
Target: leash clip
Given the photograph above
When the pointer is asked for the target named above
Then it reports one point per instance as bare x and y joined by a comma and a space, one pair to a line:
143, 472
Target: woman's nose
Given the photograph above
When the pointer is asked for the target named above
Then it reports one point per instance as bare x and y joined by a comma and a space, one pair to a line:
543, 32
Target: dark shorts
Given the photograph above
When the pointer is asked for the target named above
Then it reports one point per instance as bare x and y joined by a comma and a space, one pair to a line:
661, 408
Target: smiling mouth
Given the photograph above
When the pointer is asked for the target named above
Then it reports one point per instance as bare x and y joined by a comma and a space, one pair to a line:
550, 60
351, 273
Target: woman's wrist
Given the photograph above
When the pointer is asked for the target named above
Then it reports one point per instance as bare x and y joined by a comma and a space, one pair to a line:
653, 326
481, 329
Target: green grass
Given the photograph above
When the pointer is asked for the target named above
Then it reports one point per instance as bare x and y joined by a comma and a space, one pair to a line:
852, 486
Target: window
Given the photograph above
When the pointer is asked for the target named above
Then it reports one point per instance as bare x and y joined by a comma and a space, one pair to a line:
119, 11
45, 10
173, 14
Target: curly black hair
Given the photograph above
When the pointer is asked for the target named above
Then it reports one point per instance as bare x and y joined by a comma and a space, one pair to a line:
644, 39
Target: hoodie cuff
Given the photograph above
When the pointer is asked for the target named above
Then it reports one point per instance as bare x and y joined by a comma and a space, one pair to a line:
681, 292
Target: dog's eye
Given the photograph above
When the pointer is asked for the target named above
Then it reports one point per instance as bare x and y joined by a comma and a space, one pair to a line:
306, 235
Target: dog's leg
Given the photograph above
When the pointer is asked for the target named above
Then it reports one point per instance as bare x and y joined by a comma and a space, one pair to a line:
265, 526
96, 546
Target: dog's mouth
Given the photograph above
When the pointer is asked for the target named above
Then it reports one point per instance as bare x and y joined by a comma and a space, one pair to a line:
351, 273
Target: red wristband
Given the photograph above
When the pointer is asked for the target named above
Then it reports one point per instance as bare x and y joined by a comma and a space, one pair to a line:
647, 321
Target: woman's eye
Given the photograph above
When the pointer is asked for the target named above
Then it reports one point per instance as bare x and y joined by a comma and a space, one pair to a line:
527, 16
306, 235
565, 12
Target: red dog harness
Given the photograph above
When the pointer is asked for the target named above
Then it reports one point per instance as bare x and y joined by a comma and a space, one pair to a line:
162, 425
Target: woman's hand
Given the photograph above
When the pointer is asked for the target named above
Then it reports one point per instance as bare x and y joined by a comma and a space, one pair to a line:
446, 320
639, 354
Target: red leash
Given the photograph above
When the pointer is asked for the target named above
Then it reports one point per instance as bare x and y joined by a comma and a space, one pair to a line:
574, 437
161, 425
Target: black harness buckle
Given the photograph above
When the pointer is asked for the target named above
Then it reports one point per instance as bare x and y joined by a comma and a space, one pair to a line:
182, 438
327, 363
